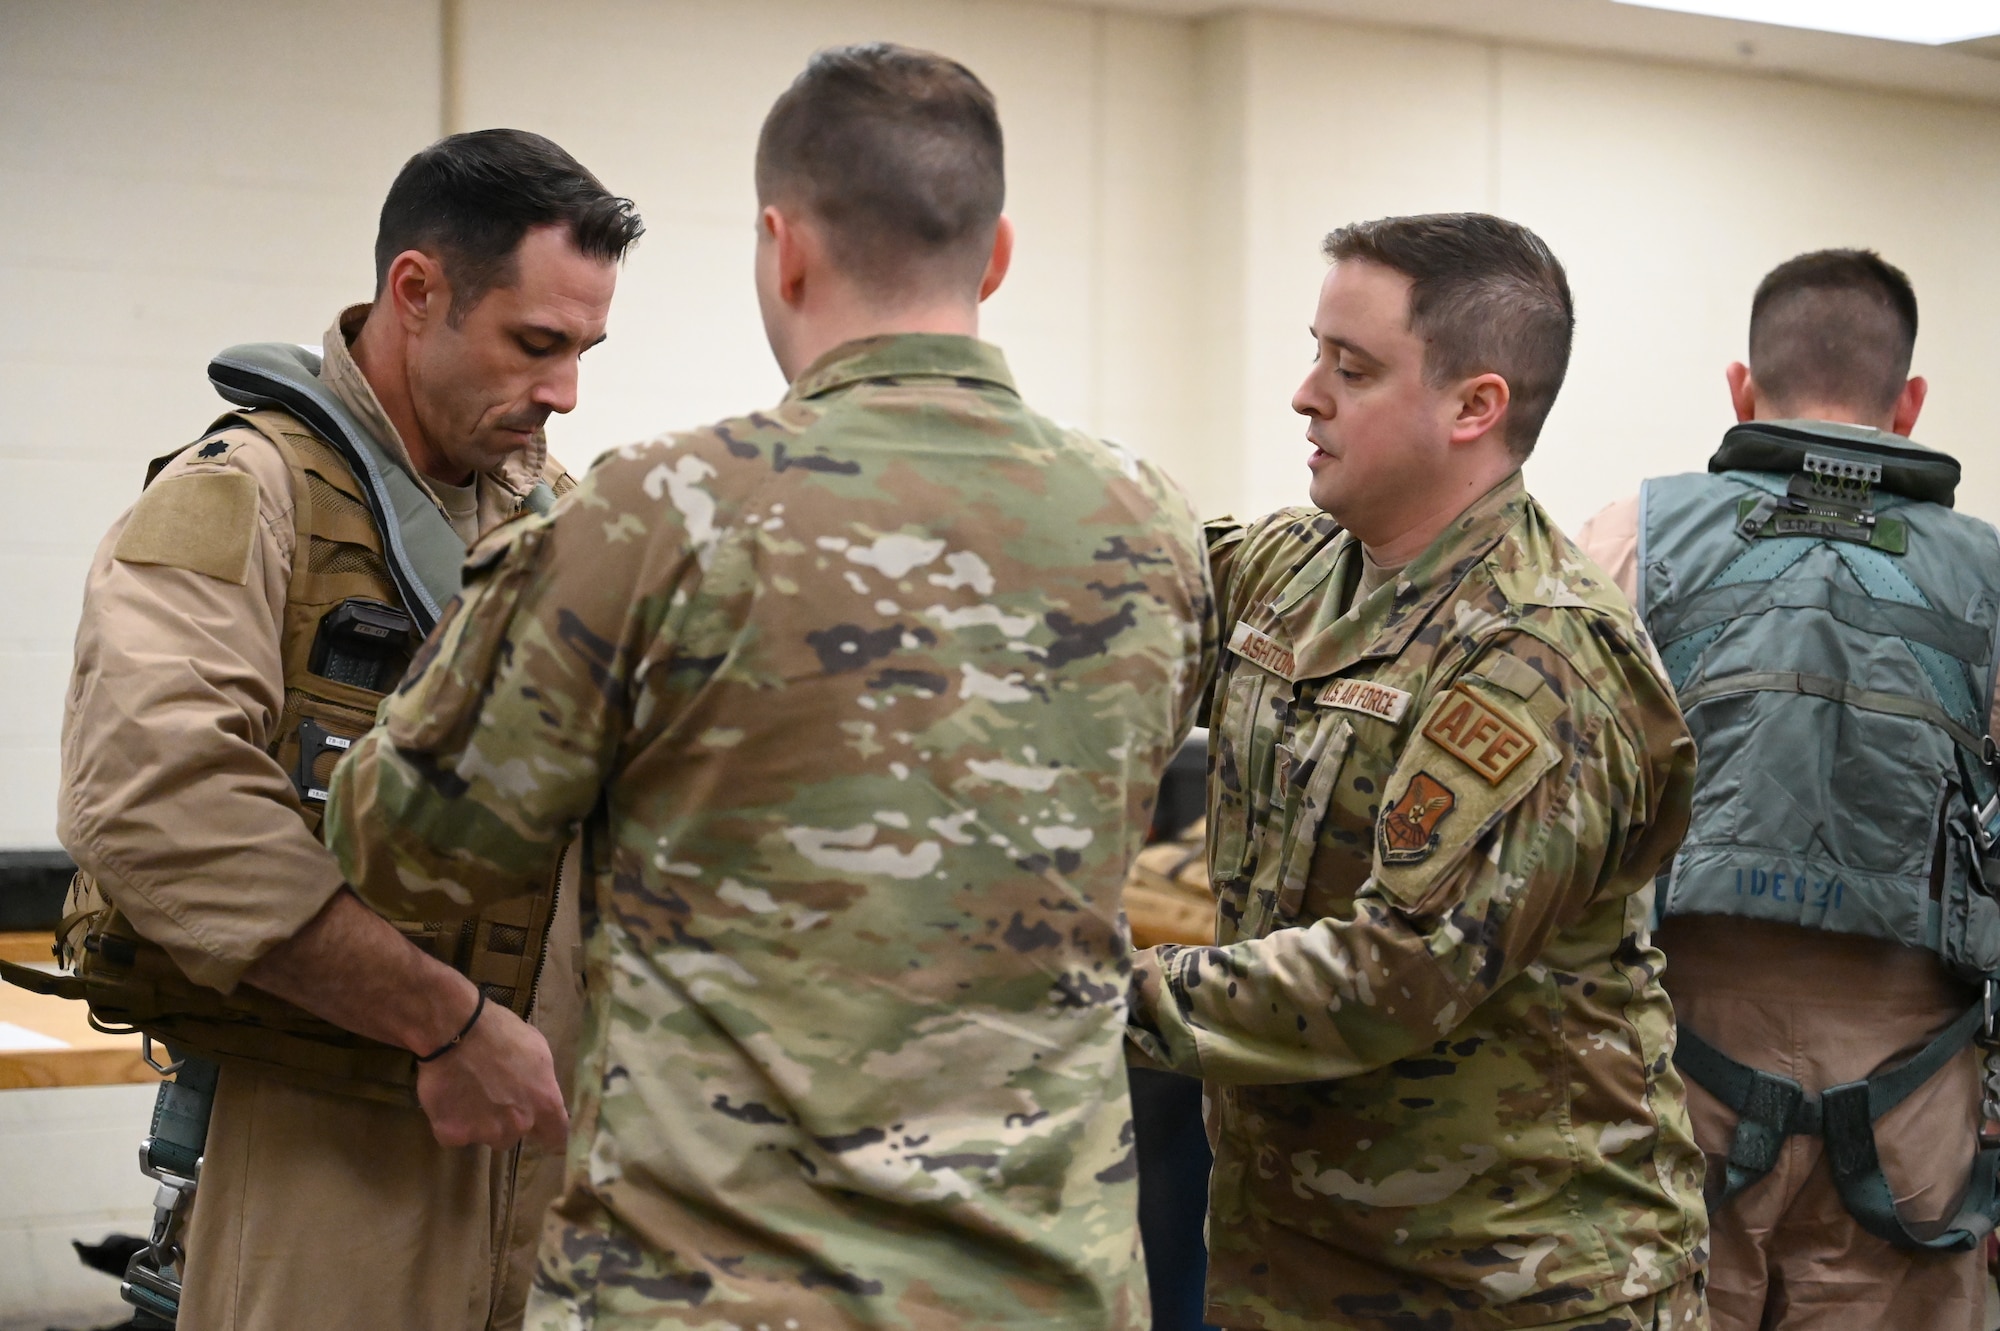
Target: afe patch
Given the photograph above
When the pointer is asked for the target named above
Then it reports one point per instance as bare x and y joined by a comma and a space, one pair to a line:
1478, 736
1262, 650
1408, 829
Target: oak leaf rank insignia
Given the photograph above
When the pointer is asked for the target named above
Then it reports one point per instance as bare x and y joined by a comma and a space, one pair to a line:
1408, 829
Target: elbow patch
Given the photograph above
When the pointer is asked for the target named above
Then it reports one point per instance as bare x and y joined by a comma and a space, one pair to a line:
205, 522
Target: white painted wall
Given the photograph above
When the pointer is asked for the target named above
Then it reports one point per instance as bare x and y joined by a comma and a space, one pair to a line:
1667, 191
665, 101
174, 178
70, 1157
178, 176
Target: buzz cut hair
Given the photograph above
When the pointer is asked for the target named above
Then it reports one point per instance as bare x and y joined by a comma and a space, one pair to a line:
1833, 328
468, 199
897, 153
1486, 297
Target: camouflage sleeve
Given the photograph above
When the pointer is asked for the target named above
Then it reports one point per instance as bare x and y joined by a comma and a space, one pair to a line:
1524, 796
482, 764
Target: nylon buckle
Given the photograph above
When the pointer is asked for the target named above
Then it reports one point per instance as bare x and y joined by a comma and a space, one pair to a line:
1764, 1121
1850, 1135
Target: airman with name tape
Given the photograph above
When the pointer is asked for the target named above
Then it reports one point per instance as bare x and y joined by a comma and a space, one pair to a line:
1446, 767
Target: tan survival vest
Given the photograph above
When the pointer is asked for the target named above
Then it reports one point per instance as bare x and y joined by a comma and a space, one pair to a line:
132, 985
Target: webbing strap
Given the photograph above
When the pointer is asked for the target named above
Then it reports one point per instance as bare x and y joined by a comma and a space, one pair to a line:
1770, 1108
1886, 617
1880, 577
1834, 690
1762, 562
180, 1119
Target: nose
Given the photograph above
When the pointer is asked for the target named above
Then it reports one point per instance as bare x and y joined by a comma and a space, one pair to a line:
556, 390
1309, 400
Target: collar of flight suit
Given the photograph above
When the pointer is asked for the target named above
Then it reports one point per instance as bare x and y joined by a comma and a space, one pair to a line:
344, 379
902, 356
1306, 614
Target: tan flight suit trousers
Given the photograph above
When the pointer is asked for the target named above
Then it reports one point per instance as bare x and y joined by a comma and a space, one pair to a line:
1822, 1009
1825, 1009
293, 1177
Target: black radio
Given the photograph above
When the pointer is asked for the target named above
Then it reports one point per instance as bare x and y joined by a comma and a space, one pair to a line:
363, 643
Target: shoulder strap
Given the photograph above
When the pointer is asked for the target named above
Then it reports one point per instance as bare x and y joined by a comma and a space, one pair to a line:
423, 553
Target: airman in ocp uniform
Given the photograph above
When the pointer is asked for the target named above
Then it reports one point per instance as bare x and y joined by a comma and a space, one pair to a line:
861, 703
1446, 766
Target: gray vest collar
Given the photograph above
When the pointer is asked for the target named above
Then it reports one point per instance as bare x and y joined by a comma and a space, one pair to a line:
1908, 469
423, 553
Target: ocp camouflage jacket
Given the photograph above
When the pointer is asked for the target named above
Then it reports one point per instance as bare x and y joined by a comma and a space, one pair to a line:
862, 703
1433, 1028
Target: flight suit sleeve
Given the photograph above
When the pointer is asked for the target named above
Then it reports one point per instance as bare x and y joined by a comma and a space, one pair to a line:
483, 763
170, 797
1524, 794
1611, 539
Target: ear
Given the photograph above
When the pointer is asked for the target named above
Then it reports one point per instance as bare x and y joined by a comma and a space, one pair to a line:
1742, 391
1001, 259
1909, 404
796, 249
1482, 405
416, 290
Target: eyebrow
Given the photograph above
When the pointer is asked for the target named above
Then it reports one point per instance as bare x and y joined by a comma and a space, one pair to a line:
559, 337
1344, 345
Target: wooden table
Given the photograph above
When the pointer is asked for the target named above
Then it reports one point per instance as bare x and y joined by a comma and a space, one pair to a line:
47, 1041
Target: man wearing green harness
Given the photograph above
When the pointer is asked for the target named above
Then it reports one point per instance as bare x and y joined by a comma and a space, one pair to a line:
1829, 623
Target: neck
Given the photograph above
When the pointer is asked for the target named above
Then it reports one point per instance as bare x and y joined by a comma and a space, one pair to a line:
378, 351
821, 330
1835, 412
1396, 544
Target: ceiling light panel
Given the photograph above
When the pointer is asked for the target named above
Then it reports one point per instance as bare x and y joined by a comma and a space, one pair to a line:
1929, 22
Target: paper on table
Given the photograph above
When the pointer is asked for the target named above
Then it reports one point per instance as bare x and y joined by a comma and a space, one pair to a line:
20, 1037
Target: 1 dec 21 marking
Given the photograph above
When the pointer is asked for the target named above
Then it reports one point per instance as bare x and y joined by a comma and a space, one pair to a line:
1778, 885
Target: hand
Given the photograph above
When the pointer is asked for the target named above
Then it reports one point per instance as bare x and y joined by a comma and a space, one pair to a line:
497, 1087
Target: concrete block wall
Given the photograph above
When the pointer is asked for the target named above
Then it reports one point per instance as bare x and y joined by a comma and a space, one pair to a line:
70, 1160
180, 176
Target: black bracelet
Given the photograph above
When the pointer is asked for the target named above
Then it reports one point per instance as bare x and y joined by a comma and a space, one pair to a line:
464, 1031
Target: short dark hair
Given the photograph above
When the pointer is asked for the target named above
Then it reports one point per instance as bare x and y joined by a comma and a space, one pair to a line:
898, 153
469, 198
1486, 297
1833, 327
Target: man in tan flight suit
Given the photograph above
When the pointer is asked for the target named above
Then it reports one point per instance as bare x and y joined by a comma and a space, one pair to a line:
496, 263
1831, 336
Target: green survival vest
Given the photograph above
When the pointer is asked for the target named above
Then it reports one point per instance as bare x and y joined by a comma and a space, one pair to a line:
1829, 624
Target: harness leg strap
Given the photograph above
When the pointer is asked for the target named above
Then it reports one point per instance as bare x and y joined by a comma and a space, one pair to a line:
1851, 1111
1768, 1108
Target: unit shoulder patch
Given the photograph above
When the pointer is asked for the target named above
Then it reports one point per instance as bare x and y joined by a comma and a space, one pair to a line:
1478, 736
1408, 830
1264, 651
204, 522
1361, 695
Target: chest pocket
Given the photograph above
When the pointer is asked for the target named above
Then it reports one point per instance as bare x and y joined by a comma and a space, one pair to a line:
1279, 760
